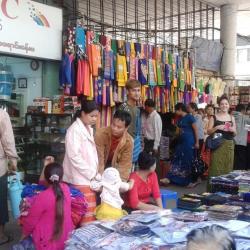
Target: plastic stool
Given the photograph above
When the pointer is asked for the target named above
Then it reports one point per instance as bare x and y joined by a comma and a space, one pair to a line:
168, 195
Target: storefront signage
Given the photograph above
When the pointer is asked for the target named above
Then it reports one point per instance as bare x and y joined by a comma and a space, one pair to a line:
30, 29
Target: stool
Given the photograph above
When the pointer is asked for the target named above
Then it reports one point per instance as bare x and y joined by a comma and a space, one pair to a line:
168, 195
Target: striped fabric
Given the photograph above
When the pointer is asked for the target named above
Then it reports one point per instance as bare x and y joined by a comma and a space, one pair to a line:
91, 199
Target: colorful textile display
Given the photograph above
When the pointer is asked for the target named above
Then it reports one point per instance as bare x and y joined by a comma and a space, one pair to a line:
103, 65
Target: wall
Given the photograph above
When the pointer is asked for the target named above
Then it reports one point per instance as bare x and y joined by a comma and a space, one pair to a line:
20, 67
243, 62
40, 82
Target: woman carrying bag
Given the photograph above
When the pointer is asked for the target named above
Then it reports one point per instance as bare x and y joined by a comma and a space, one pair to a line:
222, 158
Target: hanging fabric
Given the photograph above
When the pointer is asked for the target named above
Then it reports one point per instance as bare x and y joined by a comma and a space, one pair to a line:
121, 71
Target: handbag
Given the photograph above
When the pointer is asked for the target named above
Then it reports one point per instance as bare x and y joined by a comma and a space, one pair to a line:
137, 140
199, 167
214, 141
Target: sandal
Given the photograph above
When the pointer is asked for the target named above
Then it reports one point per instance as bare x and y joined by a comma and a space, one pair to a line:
9, 239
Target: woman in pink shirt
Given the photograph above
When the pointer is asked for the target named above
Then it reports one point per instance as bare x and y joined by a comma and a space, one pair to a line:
81, 161
49, 218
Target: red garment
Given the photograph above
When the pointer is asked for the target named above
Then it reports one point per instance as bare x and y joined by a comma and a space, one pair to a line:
114, 143
142, 191
79, 79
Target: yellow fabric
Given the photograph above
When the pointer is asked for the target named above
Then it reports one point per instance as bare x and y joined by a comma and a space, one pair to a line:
107, 212
132, 50
121, 70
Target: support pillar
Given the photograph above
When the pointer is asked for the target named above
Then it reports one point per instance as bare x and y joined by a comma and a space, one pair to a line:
228, 36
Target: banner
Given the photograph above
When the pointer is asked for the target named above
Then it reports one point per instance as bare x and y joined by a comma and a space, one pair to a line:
30, 29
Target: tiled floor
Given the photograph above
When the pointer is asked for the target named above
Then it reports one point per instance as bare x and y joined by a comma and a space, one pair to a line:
14, 230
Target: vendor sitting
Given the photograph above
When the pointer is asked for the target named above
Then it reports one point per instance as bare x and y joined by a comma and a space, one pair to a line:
145, 194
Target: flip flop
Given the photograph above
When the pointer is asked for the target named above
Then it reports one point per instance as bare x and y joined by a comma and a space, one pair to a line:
9, 239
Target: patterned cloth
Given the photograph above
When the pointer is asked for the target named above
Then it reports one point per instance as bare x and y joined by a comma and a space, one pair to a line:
91, 200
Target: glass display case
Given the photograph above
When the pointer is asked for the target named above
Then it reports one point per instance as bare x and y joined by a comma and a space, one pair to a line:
46, 137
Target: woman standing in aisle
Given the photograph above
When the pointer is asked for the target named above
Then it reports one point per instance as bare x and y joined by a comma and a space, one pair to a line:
188, 141
222, 158
81, 161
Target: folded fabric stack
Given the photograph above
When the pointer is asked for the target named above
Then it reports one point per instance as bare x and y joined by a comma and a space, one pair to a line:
191, 216
224, 212
188, 203
224, 184
86, 237
214, 199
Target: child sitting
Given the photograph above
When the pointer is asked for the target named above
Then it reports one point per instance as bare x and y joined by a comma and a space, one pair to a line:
110, 185
49, 218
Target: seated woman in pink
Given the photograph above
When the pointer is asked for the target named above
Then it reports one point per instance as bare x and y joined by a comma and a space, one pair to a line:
145, 195
49, 218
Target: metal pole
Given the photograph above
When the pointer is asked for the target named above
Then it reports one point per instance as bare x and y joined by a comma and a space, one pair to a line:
201, 19
213, 23
194, 18
179, 23
164, 20
207, 22
155, 22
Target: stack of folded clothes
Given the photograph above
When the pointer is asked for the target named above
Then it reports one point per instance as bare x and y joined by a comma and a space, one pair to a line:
188, 203
223, 212
226, 184
214, 199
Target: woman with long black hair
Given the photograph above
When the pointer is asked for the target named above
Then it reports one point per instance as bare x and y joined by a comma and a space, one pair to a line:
81, 160
49, 218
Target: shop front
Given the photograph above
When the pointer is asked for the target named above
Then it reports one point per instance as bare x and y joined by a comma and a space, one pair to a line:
30, 51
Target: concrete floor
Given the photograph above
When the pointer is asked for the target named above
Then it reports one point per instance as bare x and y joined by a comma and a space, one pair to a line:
14, 230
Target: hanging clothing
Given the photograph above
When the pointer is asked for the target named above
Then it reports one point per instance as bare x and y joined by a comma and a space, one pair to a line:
65, 71
138, 49
79, 78
181, 80
167, 76
80, 38
121, 47
142, 71
95, 59
109, 65
132, 71
121, 71
152, 72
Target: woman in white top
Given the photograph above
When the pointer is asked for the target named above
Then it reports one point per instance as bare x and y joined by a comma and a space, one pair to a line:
81, 162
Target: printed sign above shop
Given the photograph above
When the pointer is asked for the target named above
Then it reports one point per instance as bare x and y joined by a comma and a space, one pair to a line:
30, 29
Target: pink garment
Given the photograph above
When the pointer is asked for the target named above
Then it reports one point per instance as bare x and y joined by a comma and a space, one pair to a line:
41, 218
80, 161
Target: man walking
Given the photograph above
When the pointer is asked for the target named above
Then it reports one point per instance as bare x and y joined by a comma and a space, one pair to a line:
8, 161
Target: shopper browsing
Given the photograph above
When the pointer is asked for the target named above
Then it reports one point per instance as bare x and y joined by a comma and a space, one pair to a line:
8, 161
81, 161
145, 194
133, 88
115, 145
49, 219
151, 128
222, 158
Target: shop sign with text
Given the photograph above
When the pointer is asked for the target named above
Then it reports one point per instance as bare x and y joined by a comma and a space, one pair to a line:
30, 29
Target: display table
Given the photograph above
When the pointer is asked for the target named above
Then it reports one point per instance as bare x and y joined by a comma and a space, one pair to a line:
163, 230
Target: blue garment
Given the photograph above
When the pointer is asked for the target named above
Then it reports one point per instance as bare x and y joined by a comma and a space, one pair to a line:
142, 71
65, 71
184, 153
80, 38
167, 76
